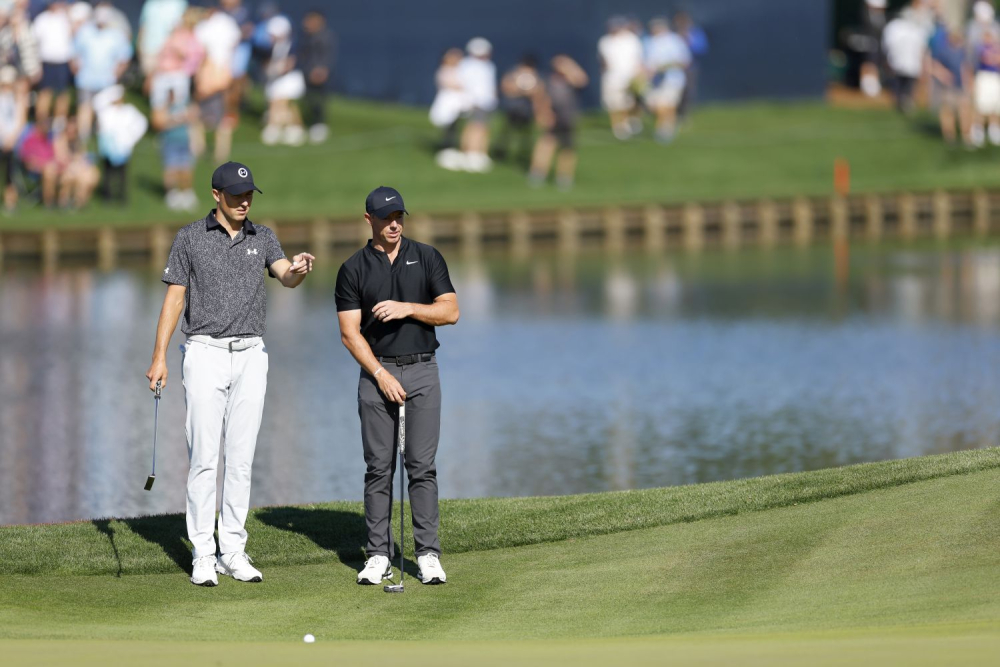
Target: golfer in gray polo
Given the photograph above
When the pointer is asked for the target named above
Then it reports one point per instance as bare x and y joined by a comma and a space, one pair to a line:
215, 277
390, 296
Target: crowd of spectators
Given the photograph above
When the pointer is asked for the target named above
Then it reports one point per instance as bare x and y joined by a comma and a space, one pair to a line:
641, 73
957, 67
66, 127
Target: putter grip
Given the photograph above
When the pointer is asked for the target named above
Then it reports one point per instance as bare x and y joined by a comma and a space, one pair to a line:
158, 388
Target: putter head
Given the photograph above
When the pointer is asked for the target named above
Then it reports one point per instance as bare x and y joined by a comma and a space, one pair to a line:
149, 482
393, 588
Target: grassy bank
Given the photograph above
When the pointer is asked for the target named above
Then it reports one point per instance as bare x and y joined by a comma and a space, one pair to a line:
741, 151
892, 561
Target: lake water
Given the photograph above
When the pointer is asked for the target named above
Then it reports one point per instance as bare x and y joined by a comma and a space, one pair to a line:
564, 375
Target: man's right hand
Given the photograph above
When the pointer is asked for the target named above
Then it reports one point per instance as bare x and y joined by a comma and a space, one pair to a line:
390, 387
158, 373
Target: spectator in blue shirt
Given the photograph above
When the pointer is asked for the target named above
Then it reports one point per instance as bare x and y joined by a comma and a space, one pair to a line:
101, 54
952, 78
697, 43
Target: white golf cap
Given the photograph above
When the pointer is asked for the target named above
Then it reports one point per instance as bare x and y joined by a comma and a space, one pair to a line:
279, 26
103, 15
983, 11
877, 4
479, 47
80, 11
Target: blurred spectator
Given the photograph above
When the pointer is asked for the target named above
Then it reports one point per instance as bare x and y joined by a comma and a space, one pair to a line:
156, 21
54, 34
905, 41
18, 46
260, 40
120, 126
241, 57
219, 35
101, 54
519, 87
448, 106
667, 58
983, 21
620, 51
557, 112
951, 77
38, 154
316, 51
479, 80
177, 62
13, 119
77, 174
80, 14
285, 86
987, 89
117, 20
873, 17
172, 121
697, 43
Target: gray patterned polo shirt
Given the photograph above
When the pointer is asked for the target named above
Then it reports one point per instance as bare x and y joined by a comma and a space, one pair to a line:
224, 277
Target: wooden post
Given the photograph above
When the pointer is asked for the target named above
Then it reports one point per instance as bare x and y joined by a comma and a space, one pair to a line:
731, 225
107, 249
655, 221
767, 222
874, 217
520, 234
50, 250
980, 212
569, 231
472, 234
942, 214
159, 247
802, 216
907, 216
320, 234
694, 226
839, 224
614, 230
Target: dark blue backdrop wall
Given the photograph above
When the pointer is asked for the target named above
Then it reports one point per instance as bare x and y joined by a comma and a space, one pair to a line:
389, 49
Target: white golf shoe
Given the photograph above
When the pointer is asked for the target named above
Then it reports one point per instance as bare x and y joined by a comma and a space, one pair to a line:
376, 569
431, 571
237, 565
203, 572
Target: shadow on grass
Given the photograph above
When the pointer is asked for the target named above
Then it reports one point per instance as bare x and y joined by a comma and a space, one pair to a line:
104, 526
168, 532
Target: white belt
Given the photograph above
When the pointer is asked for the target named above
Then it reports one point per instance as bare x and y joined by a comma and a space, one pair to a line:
233, 344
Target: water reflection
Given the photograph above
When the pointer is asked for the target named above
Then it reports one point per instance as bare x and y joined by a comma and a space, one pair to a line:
567, 374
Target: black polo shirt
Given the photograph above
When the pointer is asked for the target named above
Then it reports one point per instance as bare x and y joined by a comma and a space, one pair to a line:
419, 275
224, 276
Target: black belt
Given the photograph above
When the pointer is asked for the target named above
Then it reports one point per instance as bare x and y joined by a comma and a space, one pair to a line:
407, 359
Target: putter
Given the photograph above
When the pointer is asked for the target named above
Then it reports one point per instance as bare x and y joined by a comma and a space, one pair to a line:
156, 415
398, 588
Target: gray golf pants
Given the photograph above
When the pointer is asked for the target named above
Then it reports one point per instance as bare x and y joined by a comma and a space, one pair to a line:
379, 420
224, 393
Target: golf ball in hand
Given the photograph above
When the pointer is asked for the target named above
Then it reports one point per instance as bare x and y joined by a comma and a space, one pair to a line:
309, 639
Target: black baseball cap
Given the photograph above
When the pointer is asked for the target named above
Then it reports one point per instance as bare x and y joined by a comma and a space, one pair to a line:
383, 200
234, 178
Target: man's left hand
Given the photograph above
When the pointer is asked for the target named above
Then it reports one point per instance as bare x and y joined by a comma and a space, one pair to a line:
302, 264
386, 311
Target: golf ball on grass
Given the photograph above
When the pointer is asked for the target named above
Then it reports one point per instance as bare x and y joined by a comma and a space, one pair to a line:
309, 639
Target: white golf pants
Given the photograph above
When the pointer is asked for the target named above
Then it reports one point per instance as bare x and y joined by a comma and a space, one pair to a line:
224, 384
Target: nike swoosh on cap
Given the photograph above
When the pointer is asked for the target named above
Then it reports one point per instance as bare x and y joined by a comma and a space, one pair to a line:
390, 198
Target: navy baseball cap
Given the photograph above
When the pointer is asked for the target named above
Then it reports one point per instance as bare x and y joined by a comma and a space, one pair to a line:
383, 200
234, 178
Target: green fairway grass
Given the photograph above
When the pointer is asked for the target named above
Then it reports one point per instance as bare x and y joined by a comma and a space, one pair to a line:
884, 563
748, 150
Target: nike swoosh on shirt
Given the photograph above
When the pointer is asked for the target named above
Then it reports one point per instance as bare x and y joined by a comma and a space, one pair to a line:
390, 198
414, 262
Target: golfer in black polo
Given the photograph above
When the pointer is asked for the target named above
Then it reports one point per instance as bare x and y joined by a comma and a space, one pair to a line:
390, 296
215, 277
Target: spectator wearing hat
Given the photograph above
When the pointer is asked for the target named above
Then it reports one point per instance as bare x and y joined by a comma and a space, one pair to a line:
54, 35
620, 52
120, 127
557, 109
13, 119
101, 54
285, 86
905, 40
667, 59
479, 81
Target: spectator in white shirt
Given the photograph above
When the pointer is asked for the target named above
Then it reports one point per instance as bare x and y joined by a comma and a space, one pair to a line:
620, 51
667, 59
479, 81
54, 35
905, 40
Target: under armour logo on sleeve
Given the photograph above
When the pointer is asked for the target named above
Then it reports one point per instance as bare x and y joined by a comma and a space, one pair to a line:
166, 270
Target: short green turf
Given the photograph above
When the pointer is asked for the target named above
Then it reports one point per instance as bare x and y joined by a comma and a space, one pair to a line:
747, 150
889, 563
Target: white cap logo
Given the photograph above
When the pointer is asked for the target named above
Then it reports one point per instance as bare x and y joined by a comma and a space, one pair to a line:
242, 171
